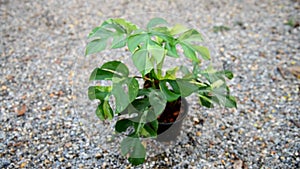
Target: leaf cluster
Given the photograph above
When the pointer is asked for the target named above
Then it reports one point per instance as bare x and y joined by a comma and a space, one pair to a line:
142, 105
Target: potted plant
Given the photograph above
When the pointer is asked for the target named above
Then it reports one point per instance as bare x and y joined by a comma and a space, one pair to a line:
148, 108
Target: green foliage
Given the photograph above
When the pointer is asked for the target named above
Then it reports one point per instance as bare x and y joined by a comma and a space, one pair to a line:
149, 47
133, 147
221, 28
292, 23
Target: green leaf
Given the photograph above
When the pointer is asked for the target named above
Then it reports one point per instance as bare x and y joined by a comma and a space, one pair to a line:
110, 70
95, 46
210, 69
120, 25
228, 74
135, 40
142, 61
186, 87
134, 148
211, 74
100, 113
162, 33
174, 85
100, 32
148, 115
171, 96
171, 50
121, 97
119, 41
136, 161
203, 51
191, 36
157, 52
217, 84
228, 101
140, 104
225, 100
221, 28
118, 29
171, 73
133, 88
221, 89
116, 67
128, 26
127, 144
189, 52
143, 92
178, 29
107, 110
99, 74
153, 125
186, 72
99, 92
217, 93
156, 21
205, 101
123, 124
90, 35
231, 102
150, 129
104, 110
157, 101
110, 24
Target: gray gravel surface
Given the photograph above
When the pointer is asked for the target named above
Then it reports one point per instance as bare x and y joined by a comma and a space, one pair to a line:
47, 121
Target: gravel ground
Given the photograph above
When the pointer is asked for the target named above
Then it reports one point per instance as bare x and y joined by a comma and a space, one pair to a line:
47, 121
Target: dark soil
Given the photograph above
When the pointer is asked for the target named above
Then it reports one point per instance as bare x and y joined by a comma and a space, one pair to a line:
171, 112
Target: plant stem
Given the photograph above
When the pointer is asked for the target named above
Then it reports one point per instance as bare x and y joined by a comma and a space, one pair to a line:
145, 78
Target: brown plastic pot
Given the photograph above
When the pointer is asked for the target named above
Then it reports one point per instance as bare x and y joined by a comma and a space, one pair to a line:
170, 131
